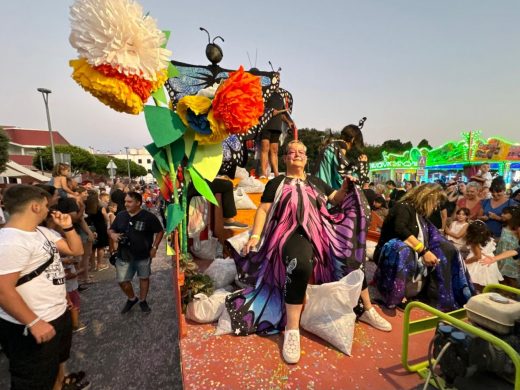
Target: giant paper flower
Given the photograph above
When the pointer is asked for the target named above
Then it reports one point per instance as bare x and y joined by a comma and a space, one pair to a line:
115, 32
195, 112
238, 102
122, 93
110, 91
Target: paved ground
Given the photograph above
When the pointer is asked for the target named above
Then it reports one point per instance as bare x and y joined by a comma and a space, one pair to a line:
134, 351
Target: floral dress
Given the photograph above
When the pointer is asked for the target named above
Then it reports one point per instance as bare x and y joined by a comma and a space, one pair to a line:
508, 240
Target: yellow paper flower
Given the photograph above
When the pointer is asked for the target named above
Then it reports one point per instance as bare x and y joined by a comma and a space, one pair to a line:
218, 131
110, 91
197, 104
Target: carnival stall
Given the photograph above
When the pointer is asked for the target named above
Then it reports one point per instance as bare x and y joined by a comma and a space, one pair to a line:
454, 159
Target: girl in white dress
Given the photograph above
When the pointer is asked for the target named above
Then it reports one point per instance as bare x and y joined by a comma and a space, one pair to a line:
482, 245
456, 232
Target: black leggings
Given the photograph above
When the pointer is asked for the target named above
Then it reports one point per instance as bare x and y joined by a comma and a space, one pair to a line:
297, 255
219, 186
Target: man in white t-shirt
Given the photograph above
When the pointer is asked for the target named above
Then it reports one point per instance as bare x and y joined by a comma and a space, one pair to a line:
35, 327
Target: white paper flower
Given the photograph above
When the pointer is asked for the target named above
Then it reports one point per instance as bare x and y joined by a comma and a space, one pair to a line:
209, 92
116, 32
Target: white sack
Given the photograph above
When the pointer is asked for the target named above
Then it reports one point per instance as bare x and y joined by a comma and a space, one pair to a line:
204, 309
222, 272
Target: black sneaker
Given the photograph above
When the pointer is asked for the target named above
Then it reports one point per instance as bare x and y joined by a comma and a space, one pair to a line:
235, 225
128, 305
144, 307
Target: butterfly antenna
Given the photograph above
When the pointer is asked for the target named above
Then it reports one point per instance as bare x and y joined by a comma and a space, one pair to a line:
218, 36
362, 122
271, 65
249, 58
256, 56
203, 29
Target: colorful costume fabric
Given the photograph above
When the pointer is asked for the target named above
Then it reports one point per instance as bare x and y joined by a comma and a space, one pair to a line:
338, 238
446, 286
332, 166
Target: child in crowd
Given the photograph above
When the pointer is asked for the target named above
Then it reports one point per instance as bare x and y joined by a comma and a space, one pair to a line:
481, 244
456, 231
510, 268
59, 180
71, 283
111, 214
484, 177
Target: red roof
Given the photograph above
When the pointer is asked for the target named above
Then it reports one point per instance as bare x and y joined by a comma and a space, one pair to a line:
22, 160
29, 137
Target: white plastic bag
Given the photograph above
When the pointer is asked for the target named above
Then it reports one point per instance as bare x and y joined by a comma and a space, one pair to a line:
239, 241
328, 311
242, 201
222, 272
206, 249
224, 324
251, 185
241, 173
198, 215
204, 309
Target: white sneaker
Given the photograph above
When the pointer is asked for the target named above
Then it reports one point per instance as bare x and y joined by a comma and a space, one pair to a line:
291, 346
372, 317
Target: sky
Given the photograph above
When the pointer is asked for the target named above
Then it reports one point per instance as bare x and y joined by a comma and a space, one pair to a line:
415, 69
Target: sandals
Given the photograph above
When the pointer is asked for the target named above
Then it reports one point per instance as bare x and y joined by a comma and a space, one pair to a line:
74, 381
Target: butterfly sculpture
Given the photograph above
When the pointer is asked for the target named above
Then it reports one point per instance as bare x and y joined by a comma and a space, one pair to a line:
193, 78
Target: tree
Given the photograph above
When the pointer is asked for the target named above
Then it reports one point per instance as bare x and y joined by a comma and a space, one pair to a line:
100, 167
424, 144
4, 149
81, 160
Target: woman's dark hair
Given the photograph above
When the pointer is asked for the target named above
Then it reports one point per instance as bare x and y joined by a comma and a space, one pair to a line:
514, 222
353, 135
92, 202
498, 184
413, 183
478, 233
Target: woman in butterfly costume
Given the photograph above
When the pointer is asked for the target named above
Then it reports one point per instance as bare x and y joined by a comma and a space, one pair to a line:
340, 159
298, 239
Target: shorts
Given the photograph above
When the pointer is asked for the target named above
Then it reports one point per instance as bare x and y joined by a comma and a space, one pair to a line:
272, 135
125, 270
32, 365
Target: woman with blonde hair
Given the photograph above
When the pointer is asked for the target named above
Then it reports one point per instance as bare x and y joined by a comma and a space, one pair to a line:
415, 260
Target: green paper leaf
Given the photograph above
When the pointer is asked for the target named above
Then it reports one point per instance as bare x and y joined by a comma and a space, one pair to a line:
172, 71
174, 215
177, 149
189, 138
159, 156
160, 96
167, 35
201, 186
208, 159
164, 125
192, 153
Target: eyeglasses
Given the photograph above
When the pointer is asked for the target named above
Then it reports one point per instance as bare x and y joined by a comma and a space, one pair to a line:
300, 153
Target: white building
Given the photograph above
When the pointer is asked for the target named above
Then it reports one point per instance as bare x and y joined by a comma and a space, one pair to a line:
139, 156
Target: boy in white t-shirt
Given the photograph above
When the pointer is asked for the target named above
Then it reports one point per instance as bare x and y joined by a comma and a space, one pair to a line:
35, 330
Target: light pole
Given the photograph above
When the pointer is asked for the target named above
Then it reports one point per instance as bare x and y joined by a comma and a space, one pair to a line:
128, 163
45, 93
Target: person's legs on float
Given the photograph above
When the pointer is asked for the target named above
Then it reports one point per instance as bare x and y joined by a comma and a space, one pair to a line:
264, 151
297, 255
229, 210
273, 151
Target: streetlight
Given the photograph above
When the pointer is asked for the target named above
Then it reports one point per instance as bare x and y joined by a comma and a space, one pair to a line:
45, 93
128, 163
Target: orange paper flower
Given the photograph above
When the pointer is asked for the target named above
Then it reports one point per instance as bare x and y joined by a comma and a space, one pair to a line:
238, 102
